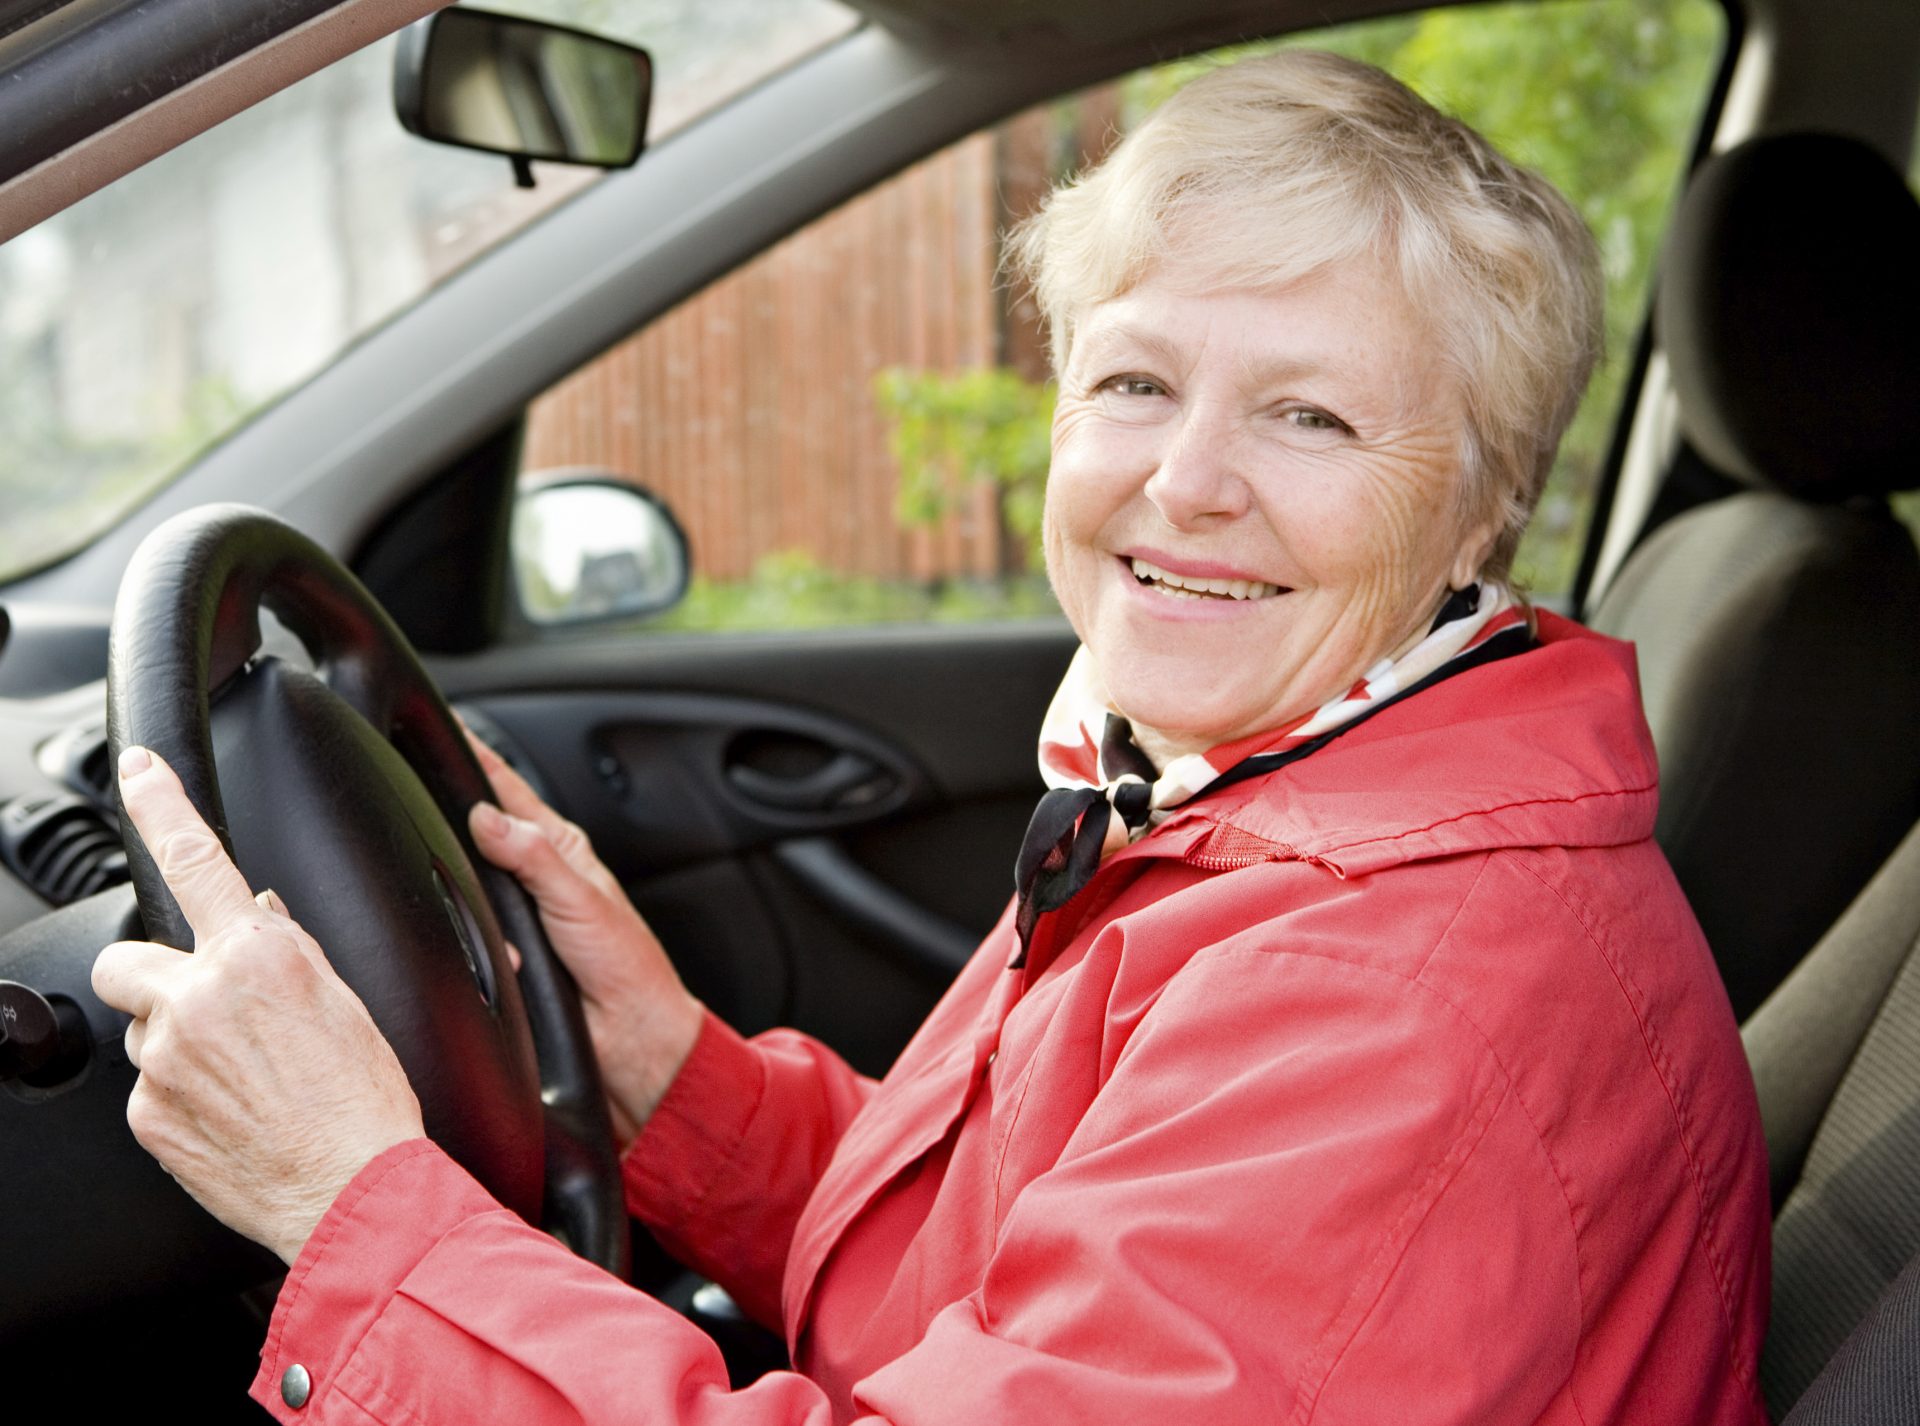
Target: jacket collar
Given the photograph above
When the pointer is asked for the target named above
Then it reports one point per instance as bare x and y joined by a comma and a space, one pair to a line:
1549, 747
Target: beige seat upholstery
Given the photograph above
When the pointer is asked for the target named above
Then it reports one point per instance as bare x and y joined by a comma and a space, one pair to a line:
1777, 626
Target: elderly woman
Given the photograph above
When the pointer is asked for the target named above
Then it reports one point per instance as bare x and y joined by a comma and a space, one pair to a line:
1348, 1052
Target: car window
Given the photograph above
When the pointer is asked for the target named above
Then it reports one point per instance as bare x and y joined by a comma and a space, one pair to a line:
854, 427
143, 324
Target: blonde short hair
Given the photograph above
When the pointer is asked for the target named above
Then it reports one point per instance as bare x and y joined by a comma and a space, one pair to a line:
1259, 173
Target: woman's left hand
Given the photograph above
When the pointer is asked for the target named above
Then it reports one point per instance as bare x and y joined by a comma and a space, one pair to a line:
264, 1084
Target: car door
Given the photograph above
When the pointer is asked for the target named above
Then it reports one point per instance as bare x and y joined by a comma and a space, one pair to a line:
820, 827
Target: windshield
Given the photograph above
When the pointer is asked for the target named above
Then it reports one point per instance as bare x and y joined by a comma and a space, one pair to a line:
140, 326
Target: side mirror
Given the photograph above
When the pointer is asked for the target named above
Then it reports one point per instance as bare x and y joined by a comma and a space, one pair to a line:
522, 88
588, 548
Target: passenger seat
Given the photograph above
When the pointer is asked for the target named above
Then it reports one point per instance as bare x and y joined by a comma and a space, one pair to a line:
1778, 628
1875, 1376
1836, 1059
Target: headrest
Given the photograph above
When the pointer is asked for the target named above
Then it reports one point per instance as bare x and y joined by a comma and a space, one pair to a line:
1790, 313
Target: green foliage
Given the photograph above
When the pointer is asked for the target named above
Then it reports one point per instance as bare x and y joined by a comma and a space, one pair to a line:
952, 432
1907, 506
1608, 114
790, 589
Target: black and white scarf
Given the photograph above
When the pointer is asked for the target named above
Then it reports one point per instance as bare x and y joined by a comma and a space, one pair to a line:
1104, 793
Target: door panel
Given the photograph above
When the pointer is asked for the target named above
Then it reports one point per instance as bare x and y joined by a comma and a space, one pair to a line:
820, 826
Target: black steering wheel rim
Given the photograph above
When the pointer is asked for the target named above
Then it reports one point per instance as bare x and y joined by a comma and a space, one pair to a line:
184, 643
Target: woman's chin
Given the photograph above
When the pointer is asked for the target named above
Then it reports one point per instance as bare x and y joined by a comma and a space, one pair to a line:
1182, 706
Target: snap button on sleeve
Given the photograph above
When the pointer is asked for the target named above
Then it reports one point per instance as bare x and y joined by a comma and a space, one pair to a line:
295, 1386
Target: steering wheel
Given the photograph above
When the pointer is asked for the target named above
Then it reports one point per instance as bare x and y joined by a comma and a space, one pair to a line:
346, 790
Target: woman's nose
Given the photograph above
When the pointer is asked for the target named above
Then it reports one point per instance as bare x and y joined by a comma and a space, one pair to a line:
1197, 481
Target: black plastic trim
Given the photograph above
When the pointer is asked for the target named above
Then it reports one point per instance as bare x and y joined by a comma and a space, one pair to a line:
1609, 484
87, 1217
861, 900
452, 533
659, 763
68, 74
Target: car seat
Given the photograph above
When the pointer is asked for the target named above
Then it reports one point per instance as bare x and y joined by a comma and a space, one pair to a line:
1776, 625
1875, 1376
1836, 1059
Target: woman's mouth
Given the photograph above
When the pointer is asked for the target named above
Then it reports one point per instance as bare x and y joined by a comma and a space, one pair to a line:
1182, 586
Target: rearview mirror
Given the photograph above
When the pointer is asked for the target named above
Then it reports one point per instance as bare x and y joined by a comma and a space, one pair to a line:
522, 88
589, 547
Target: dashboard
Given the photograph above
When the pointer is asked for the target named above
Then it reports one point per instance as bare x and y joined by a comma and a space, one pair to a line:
59, 830
59, 835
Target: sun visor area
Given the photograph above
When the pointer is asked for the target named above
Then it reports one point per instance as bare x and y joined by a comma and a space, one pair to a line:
56, 153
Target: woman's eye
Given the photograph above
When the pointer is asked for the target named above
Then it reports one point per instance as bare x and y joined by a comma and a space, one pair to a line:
1306, 418
1133, 386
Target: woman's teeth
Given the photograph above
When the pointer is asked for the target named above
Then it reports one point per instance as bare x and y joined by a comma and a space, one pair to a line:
1186, 587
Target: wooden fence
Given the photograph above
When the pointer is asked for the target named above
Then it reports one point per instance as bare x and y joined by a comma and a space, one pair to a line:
750, 407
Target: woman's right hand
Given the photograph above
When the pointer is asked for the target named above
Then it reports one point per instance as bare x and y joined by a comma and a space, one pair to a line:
642, 1019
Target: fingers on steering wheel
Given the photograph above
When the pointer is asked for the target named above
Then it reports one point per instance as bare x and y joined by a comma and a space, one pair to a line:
203, 879
527, 850
131, 975
136, 1037
516, 796
513, 791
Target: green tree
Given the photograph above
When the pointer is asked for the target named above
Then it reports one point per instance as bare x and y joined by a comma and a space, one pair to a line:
948, 433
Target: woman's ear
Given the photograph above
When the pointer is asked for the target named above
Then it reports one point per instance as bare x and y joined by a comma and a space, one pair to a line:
1476, 548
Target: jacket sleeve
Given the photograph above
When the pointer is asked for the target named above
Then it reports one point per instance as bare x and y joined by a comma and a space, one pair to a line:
732, 1153
1314, 1202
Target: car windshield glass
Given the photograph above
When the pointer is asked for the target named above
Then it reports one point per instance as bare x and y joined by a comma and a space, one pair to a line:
142, 325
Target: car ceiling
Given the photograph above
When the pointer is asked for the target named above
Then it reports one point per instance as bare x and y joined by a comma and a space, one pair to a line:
74, 115
1077, 26
17, 14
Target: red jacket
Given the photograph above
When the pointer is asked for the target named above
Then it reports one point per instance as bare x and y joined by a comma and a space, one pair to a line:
1395, 1088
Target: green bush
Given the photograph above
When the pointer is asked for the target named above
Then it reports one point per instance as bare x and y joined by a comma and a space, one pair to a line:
951, 432
790, 589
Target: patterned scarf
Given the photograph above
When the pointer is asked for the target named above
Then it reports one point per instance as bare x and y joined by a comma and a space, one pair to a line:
1104, 793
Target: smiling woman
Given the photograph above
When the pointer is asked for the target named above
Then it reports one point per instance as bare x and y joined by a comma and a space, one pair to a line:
1348, 1051
1294, 453
1300, 402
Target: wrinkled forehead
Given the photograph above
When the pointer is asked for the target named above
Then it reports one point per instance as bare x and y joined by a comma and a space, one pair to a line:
1218, 242
1365, 293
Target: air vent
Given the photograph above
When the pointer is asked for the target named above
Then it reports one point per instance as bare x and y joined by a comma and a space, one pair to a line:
76, 758
91, 774
63, 847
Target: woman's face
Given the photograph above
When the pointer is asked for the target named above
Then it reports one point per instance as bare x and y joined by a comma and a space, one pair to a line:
1254, 497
